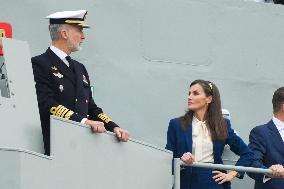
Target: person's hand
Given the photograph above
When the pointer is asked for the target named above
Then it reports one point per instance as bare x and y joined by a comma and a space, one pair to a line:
277, 171
121, 134
187, 158
96, 126
221, 177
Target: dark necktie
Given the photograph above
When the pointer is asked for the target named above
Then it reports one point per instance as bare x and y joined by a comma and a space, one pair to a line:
71, 63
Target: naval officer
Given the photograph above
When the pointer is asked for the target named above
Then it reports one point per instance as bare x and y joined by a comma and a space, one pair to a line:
63, 84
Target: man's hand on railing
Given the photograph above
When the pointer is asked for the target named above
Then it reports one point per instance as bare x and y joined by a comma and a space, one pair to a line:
96, 126
277, 171
221, 177
187, 158
121, 134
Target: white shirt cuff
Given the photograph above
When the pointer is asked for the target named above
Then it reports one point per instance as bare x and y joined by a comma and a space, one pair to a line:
265, 179
83, 120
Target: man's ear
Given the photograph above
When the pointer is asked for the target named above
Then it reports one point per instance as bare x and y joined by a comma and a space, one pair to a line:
64, 34
282, 107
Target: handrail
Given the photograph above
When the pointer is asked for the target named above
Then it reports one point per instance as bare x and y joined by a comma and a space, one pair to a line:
178, 163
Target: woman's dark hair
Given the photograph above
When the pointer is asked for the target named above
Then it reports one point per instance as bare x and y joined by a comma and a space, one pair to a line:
215, 121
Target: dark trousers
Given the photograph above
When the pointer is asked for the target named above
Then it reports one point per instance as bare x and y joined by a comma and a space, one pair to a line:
200, 178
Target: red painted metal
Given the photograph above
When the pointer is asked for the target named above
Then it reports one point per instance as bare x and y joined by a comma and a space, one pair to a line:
5, 31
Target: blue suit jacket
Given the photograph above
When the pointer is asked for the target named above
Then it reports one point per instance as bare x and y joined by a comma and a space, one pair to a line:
179, 141
268, 148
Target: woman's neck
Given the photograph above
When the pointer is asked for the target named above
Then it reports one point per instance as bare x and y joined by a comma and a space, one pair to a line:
200, 114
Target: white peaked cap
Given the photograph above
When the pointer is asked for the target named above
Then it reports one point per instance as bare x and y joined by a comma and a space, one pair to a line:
77, 17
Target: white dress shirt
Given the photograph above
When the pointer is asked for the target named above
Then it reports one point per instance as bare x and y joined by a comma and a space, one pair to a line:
202, 145
62, 55
280, 126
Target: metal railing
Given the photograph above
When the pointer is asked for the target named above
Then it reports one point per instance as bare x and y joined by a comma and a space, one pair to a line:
178, 163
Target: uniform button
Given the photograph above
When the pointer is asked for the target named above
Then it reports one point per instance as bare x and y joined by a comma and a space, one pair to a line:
87, 101
76, 100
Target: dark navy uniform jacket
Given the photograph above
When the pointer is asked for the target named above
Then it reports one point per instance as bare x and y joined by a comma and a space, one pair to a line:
268, 147
179, 141
64, 93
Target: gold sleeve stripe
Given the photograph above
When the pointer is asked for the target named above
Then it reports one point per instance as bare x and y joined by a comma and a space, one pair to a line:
53, 110
59, 111
64, 112
68, 114
104, 117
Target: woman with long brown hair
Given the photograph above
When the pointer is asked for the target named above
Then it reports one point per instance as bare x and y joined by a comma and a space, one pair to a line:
200, 135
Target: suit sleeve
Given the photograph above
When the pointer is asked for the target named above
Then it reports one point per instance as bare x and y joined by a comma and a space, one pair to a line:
257, 145
238, 146
45, 94
96, 113
171, 138
171, 142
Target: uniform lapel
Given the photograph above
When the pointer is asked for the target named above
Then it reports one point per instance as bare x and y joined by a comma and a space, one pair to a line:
79, 80
64, 69
276, 139
82, 103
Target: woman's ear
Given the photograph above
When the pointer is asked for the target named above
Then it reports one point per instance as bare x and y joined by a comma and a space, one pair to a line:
209, 99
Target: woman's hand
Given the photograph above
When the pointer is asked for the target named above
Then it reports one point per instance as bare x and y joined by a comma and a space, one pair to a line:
221, 177
187, 158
